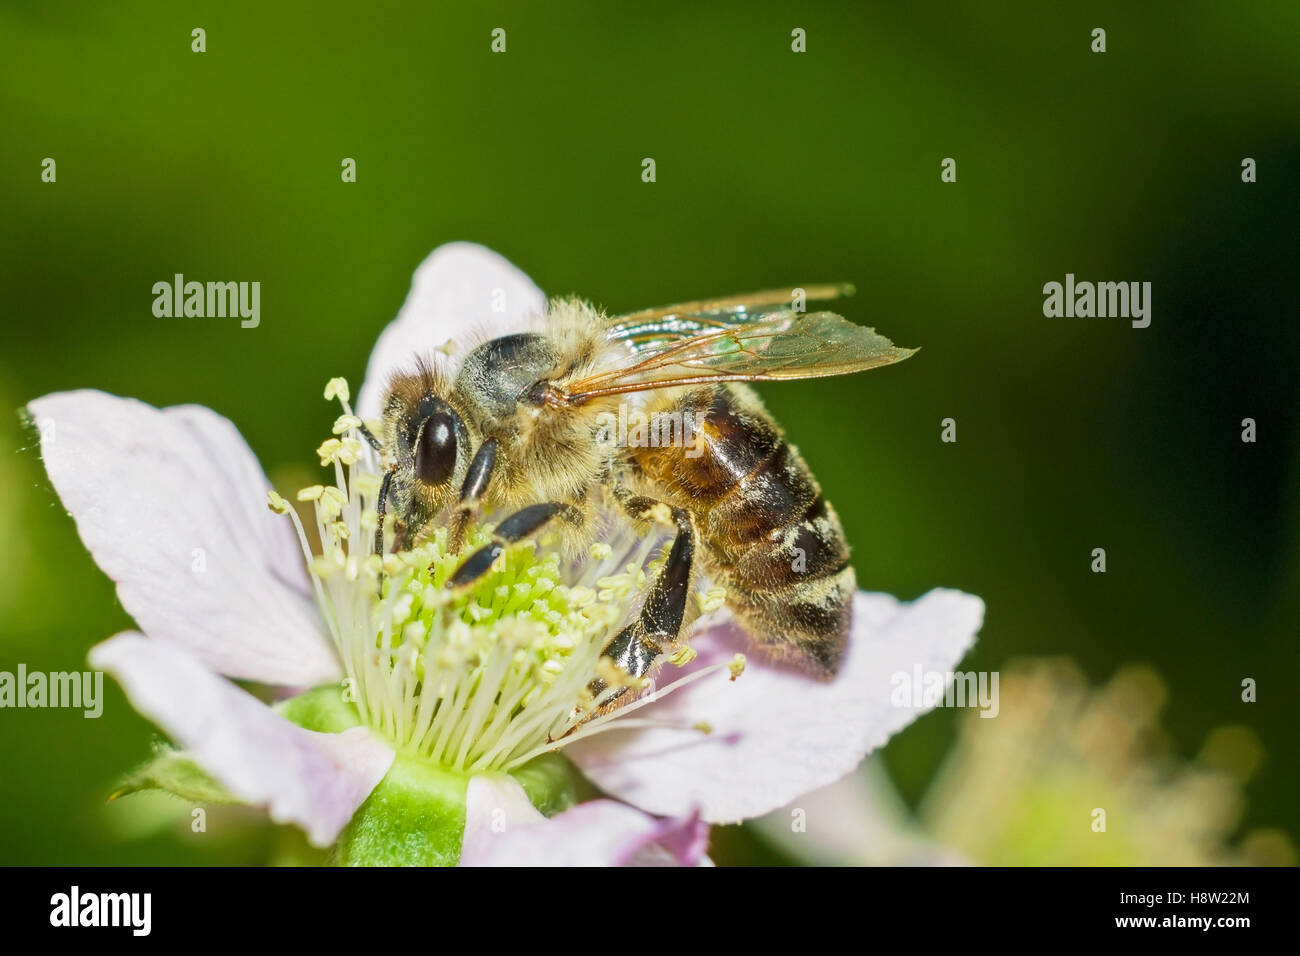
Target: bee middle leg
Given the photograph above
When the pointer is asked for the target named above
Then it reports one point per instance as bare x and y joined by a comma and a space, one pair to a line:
522, 524
636, 648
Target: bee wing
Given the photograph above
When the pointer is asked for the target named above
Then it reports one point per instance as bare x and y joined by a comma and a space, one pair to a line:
733, 340
741, 305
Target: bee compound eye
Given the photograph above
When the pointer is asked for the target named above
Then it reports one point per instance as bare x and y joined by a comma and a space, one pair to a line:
435, 450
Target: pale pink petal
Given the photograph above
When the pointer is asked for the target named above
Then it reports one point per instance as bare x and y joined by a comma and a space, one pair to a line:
503, 829
229, 455
172, 505
775, 732
316, 781
462, 292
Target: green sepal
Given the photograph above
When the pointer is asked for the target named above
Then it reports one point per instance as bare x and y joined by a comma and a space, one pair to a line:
175, 772
552, 783
322, 709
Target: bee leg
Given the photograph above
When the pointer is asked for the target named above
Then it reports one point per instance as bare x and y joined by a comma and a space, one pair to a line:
637, 647
520, 525
476, 482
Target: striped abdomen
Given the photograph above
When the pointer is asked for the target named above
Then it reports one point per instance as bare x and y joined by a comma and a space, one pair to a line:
766, 533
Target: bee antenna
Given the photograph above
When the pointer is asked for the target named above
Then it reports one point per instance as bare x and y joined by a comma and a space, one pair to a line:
382, 509
370, 438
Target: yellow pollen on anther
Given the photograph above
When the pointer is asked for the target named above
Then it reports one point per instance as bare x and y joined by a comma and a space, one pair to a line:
345, 423
712, 599
349, 451
683, 656
337, 388
737, 666
331, 503
661, 513
328, 449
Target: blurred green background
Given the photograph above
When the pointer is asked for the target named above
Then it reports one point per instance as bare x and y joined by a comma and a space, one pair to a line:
773, 168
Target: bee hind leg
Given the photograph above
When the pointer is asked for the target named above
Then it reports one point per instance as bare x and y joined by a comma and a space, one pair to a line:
636, 648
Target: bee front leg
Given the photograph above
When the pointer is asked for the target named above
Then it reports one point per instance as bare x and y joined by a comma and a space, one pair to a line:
637, 647
476, 482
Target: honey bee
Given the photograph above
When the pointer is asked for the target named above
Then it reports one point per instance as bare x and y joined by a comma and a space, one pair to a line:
517, 428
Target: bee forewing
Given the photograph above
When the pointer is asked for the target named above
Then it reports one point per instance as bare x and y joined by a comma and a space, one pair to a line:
681, 349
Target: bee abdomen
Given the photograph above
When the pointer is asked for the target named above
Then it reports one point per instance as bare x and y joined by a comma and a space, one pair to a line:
806, 623
793, 589
768, 535
811, 546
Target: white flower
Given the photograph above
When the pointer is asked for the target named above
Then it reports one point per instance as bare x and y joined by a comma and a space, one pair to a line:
172, 505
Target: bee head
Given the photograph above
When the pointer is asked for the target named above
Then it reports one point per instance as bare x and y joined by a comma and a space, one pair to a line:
429, 449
